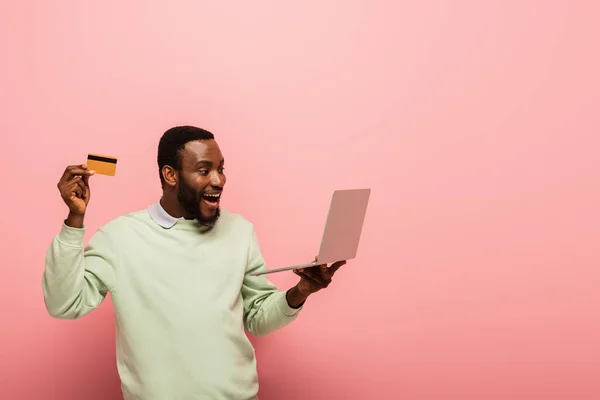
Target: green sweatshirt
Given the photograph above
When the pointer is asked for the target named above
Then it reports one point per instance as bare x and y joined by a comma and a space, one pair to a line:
182, 297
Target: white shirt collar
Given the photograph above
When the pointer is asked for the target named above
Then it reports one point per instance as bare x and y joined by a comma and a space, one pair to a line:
161, 217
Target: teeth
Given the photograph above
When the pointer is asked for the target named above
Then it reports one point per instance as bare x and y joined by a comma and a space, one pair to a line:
216, 196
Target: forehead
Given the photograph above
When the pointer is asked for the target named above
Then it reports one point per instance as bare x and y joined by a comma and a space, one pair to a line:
201, 150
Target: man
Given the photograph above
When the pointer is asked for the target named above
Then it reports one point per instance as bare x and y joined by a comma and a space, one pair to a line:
179, 277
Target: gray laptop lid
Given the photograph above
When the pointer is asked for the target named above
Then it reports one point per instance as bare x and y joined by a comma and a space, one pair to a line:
344, 225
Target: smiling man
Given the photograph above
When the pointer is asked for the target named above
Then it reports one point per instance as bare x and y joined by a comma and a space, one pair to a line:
179, 277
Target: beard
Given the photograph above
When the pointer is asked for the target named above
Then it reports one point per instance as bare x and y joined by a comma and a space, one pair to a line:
190, 202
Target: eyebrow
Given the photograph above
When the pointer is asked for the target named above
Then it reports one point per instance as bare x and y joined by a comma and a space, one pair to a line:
207, 162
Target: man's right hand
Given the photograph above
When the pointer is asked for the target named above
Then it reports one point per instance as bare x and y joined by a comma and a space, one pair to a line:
75, 191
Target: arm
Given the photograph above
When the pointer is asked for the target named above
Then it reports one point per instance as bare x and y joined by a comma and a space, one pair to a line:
266, 309
76, 279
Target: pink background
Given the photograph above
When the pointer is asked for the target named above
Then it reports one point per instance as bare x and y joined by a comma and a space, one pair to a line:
476, 123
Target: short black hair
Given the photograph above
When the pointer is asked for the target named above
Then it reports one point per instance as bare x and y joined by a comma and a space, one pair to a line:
173, 141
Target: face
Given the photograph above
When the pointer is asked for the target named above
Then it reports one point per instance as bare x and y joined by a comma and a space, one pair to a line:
201, 181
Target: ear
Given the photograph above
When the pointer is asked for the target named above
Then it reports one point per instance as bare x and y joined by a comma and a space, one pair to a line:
170, 175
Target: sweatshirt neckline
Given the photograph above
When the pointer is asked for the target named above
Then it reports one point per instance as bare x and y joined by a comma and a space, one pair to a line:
167, 221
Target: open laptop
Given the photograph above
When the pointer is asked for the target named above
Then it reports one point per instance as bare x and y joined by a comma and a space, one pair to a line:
343, 228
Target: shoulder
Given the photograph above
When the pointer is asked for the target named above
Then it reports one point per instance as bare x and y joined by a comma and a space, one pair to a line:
126, 222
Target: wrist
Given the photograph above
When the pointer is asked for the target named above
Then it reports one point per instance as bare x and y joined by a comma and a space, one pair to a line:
295, 298
75, 220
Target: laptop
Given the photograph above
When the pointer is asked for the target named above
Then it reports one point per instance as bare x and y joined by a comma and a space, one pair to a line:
343, 228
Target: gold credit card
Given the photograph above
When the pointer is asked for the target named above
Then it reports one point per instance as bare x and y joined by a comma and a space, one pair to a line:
103, 165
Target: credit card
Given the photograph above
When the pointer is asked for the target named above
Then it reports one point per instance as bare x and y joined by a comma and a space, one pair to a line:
103, 165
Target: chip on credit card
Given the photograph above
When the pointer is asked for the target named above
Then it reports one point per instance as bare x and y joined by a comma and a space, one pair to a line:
103, 165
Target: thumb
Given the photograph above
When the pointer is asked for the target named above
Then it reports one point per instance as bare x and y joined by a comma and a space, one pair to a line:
335, 267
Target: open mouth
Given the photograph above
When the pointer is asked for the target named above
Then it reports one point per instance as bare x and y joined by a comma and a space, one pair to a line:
212, 199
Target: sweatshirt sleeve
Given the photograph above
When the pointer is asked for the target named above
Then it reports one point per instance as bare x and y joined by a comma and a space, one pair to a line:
265, 307
76, 279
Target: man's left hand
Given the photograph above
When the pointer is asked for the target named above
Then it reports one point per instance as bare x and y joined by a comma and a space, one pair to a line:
313, 279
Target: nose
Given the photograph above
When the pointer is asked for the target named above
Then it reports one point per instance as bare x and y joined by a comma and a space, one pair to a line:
217, 179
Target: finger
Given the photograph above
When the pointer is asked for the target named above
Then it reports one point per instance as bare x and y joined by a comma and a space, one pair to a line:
315, 275
79, 182
74, 190
335, 267
76, 180
67, 173
72, 175
74, 170
299, 271
311, 279
324, 272
312, 271
86, 179
84, 188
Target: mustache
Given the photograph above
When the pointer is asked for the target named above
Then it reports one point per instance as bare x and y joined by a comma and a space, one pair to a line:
210, 191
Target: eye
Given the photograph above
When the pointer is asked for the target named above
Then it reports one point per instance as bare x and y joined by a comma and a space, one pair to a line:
221, 170
203, 171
